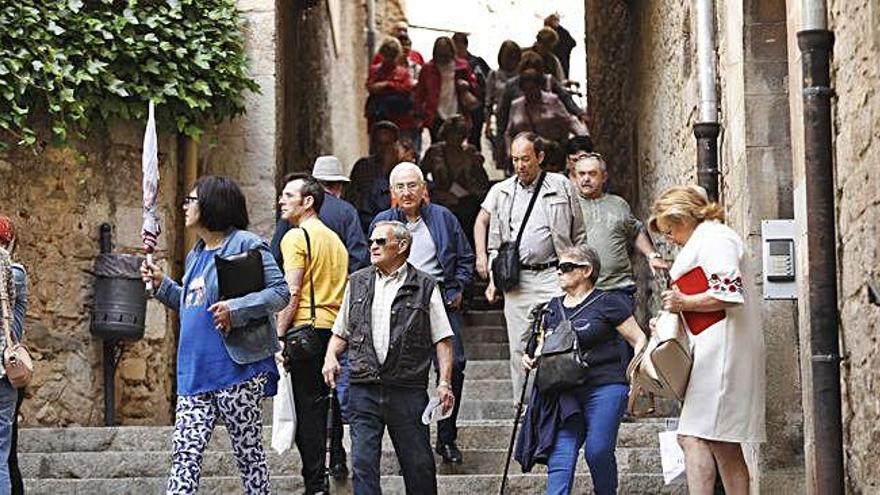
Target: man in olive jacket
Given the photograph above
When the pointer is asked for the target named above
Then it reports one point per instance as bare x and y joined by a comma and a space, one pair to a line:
392, 320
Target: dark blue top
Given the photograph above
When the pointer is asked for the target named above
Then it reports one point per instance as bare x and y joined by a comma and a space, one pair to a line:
453, 249
595, 322
340, 217
368, 190
203, 363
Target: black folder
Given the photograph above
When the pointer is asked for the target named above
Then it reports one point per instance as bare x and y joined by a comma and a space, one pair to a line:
239, 274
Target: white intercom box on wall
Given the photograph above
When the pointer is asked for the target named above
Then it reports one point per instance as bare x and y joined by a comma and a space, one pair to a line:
779, 250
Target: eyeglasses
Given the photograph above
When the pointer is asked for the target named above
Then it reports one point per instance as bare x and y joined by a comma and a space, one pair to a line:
379, 241
409, 186
189, 199
569, 266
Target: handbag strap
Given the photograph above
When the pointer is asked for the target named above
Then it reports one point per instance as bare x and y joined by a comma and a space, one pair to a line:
6, 311
311, 281
522, 226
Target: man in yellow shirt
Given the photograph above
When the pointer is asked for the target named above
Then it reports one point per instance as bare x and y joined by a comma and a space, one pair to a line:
316, 269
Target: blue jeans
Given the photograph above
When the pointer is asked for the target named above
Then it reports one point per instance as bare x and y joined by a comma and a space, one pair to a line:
342, 385
370, 409
596, 429
8, 399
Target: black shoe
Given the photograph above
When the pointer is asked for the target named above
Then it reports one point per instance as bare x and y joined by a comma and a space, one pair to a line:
339, 470
449, 452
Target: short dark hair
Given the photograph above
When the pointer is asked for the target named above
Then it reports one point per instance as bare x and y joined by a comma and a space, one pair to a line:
578, 144
222, 205
312, 187
460, 38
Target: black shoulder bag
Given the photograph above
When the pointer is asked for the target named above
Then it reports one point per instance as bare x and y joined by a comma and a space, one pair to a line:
561, 365
505, 266
303, 342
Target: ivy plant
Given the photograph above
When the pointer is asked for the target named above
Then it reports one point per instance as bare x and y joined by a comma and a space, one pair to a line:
76, 63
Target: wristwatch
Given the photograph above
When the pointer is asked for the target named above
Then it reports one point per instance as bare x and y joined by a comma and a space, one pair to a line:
443, 383
654, 255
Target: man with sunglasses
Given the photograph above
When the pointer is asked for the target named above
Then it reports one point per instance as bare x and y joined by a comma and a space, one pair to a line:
392, 320
439, 248
555, 223
611, 227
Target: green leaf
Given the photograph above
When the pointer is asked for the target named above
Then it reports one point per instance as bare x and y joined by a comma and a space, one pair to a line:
55, 28
74, 5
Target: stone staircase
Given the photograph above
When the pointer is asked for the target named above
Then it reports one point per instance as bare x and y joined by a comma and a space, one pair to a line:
135, 460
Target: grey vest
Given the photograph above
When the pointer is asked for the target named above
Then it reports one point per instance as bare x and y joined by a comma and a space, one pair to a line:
409, 346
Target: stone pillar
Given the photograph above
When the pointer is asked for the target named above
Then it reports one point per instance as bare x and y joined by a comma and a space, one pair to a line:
246, 148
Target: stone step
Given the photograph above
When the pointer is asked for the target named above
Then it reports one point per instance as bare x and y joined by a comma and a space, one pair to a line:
483, 334
487, 390
488, 369
486, 351
391, 485
147, 464
490, 317
488, 434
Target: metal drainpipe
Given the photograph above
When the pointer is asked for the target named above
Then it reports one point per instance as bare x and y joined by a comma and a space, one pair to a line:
816, 42
371, 30
707, 128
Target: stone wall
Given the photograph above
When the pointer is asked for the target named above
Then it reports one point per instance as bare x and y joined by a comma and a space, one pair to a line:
856, 79
58, 198
664, 92
248, 147
323, 72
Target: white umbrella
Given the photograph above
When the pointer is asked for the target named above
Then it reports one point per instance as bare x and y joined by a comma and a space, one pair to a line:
150, 163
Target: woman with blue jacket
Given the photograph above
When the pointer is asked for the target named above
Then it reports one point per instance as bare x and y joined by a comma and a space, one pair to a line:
225, 355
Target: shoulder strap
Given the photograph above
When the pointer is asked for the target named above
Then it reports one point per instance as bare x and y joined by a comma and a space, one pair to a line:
311, 280
7, 296
531, 206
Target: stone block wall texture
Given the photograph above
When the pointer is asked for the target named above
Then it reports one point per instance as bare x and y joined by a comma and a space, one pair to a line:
323, 85
247, 148
856, 80
58, 198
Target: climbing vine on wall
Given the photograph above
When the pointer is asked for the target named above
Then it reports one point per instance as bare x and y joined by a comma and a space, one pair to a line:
76, 63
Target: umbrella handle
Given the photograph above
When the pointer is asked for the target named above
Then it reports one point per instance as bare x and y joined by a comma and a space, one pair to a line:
148, 286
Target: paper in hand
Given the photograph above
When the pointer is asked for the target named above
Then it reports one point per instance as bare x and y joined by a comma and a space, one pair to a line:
434, 412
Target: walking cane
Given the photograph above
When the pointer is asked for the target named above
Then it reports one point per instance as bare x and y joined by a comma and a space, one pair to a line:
536, 314
329, 439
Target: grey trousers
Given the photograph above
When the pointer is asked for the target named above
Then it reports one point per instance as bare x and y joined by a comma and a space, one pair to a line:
534, 288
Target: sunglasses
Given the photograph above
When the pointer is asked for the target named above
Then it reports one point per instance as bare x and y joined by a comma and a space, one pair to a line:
380, 241
569, 266
189, 199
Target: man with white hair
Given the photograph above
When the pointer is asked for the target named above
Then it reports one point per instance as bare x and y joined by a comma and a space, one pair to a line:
392, 321
439, 248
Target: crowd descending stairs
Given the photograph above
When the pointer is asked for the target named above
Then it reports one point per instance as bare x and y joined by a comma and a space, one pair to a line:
135, 460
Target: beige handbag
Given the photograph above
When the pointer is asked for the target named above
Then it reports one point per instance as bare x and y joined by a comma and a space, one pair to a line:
664, 365
17, 360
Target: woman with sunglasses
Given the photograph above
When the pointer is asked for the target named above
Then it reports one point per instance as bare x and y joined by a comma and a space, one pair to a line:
588, 415
724, 403
226, 350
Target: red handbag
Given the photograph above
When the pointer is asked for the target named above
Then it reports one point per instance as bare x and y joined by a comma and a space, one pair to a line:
695, 282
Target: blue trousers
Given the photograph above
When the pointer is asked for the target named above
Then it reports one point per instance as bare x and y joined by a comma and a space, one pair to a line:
447, 430
596, 430
8, 399
373, 407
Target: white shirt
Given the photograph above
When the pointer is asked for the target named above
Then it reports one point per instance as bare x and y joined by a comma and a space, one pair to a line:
423, 254
447, 105
383, 296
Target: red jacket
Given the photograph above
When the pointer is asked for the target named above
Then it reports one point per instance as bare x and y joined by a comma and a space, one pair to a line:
400, 82
428, 88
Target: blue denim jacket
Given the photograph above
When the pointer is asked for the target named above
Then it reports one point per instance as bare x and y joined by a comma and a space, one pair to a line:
19, 308
246, 343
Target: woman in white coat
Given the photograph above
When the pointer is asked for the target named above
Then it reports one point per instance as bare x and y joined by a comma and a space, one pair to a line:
724, 403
